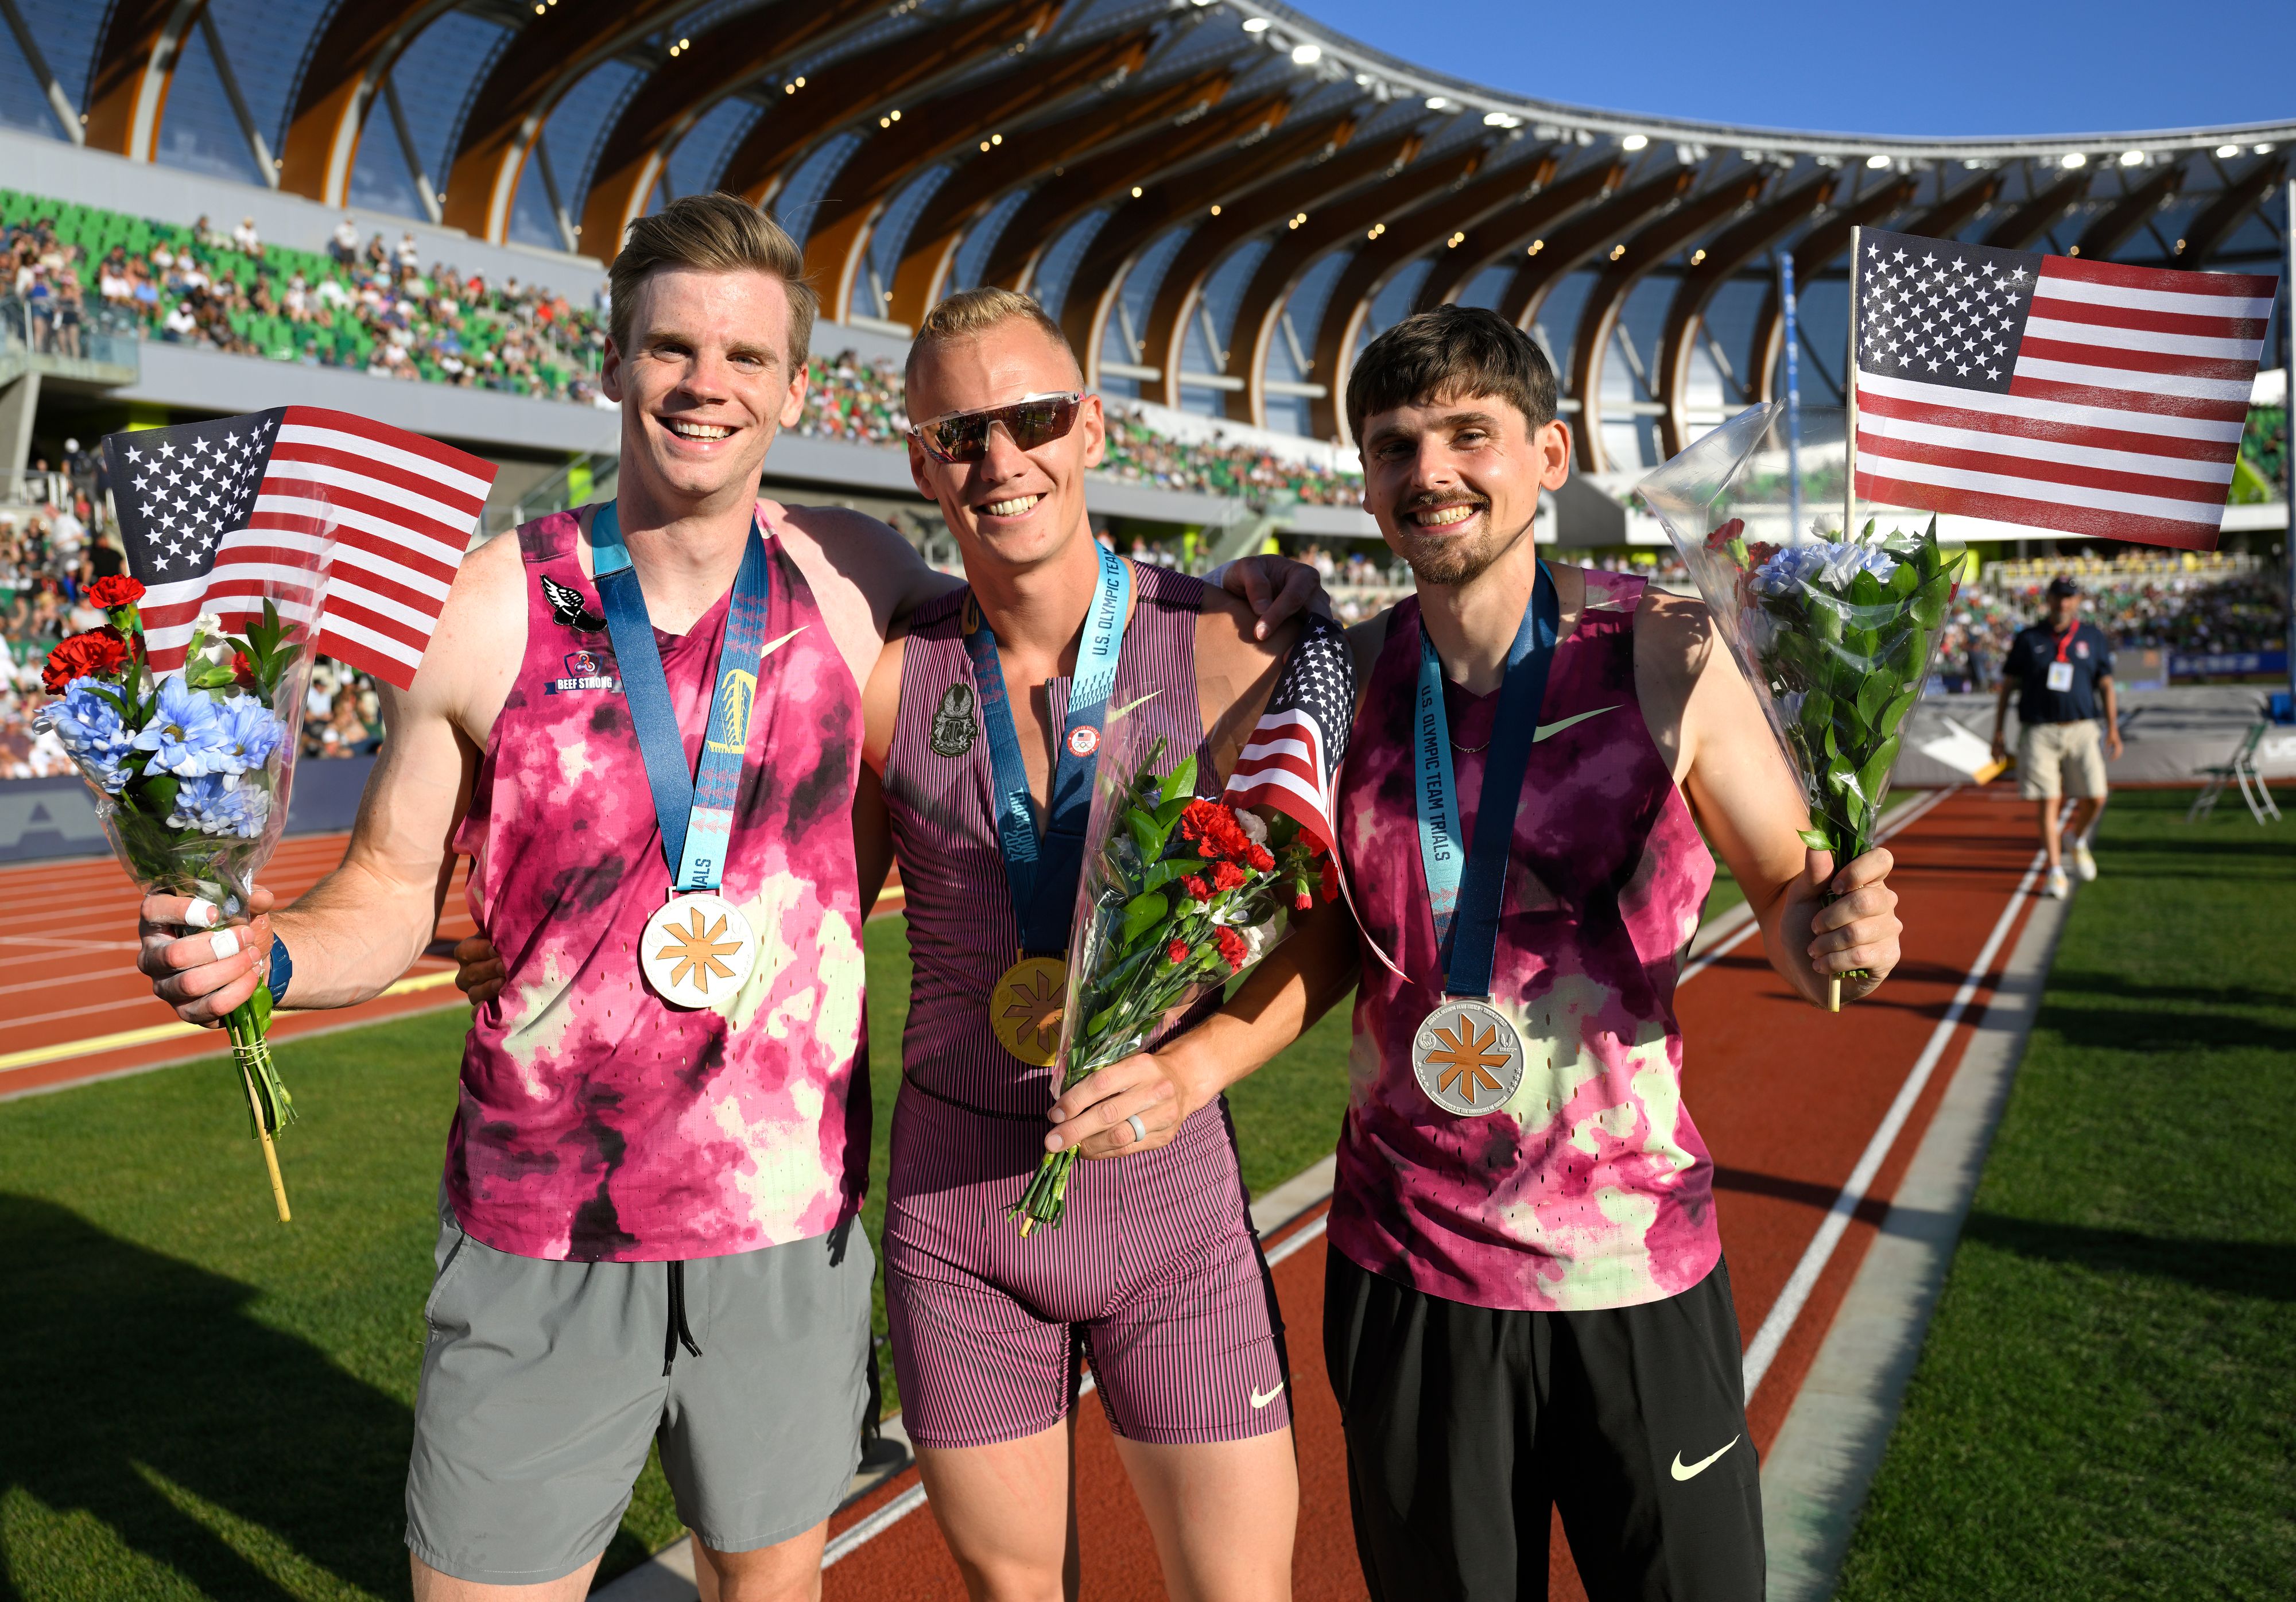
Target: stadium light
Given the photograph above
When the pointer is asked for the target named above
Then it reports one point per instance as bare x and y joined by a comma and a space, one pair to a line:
1501, 119
1877, 163
2076, 161
2225, 152
1135, 191
1436, 103
1215, 210
1255, 25
1634, 142
1306, 55
2132, 158
2263, 149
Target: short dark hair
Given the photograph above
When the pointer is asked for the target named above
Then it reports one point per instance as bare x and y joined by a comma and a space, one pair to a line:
1448, 353
718, 233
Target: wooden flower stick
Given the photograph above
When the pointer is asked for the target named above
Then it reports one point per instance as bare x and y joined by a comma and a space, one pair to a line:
270, 1153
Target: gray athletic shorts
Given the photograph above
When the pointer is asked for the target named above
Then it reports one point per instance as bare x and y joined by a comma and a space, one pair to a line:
543, 1387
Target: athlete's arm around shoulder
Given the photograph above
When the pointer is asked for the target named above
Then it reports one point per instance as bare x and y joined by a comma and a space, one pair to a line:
862, 574
361, 927
1235, 669
1706, 723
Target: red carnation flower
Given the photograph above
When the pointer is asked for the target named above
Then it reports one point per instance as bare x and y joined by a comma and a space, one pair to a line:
1301, 901
1195, 886
1227, 875
1214, 828
1231, 949
116, 590
1258, 856
242, 671
1723, 535
1330, 886
98, 653
1176, 952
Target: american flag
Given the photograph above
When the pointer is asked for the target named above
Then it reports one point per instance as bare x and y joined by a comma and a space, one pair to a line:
356, 522
2051, 394
1292, 761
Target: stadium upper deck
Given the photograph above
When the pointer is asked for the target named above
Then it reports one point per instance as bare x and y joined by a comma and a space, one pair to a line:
1222, 200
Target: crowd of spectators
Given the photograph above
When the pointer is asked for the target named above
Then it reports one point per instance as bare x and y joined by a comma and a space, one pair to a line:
2146, 603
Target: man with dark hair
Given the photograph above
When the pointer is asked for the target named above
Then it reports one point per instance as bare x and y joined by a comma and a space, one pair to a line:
1526, 1305
2061, 670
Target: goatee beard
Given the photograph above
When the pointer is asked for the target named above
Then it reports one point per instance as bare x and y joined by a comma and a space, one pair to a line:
1452, 562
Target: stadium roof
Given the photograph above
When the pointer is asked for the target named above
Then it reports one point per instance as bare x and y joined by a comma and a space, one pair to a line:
1219, 197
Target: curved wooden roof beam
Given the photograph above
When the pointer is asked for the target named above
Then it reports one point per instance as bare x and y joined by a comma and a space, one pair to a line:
1091, 297
1585, 236
2215, 224
134, 69
1816, 250
1492, 238
1163, 336
1628, 262
356, 48
921, 276
2125, 216
1259, 312
2029, 221
1076, 187
533, 73
1703, 276
842, 225
748, 47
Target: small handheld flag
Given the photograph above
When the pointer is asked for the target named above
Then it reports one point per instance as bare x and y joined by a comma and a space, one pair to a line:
2049, 394
1290, 763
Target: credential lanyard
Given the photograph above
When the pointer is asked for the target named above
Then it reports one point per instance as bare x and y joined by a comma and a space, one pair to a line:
1464, 887
695, 811
2065, 640
1042, 874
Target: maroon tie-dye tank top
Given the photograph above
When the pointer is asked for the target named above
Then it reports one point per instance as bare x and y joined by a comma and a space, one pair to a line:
598, 1123
939, 792
1589, 1187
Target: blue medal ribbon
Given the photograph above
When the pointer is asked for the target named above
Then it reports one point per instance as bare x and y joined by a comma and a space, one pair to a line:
1464, 888
1042, 874
695, 811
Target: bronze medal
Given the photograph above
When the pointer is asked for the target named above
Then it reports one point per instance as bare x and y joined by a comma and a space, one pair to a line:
1467, 1057
1024, 1009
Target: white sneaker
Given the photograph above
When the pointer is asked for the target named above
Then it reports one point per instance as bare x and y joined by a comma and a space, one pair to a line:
2059, 887
2084, 864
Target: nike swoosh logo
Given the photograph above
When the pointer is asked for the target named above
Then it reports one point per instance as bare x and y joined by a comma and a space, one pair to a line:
1546, 730
1133, 706
1259, 1401
1701, 1467
773, 645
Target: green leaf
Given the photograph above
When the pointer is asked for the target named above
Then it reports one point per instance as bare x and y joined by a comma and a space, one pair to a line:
1874, 695
1143, 912
261, 1003
1180, 783
1866, 590
1895, 712
1816, 840
1145, 834
1875, 773
1904, 578
1928, 604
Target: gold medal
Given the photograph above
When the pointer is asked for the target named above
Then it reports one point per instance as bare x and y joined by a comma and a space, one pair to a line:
1467, 1057
1024, 1009
697, 949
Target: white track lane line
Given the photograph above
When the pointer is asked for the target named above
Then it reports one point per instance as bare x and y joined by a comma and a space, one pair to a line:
1787, 1308
893, 1511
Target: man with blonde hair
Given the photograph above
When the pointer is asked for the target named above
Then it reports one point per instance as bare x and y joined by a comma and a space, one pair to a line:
647, 1216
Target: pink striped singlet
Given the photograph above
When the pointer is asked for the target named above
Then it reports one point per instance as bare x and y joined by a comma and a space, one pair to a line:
596, 1122
1155, 1273
1589, 1187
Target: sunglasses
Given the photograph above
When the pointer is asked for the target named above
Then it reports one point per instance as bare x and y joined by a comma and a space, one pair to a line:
960, 438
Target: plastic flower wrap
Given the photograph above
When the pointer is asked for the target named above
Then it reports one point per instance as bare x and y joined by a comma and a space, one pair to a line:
191, 770
1178, 895
1836, 634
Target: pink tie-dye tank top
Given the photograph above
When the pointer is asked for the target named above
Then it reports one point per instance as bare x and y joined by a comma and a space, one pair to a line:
598, 1123
1589, 1187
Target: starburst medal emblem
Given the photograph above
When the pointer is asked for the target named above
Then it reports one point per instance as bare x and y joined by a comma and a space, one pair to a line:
1467, 1057
697, 950
1024, 1009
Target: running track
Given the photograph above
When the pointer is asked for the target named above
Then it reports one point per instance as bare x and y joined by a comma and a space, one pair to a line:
1789, 1101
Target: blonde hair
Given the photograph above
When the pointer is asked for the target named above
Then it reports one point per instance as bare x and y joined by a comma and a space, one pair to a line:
718, 234
970, 313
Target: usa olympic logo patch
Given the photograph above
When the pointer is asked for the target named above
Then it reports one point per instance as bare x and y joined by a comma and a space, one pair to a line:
1083, 742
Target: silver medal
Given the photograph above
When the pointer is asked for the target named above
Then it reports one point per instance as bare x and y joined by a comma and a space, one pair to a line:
697, 950
1467, 1058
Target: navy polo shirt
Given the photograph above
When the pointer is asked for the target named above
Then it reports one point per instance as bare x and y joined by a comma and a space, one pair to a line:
2087, 654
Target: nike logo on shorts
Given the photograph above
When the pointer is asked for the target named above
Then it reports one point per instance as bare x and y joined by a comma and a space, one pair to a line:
1548, 730
1703, 1465
1259, 1400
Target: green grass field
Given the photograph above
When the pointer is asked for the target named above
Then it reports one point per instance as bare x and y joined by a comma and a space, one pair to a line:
2106, 1403
201, 1403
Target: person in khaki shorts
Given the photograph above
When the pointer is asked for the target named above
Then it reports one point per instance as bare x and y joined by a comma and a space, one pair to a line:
2061, 670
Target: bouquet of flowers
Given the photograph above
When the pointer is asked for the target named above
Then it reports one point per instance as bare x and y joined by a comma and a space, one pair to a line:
1836, 630
1178, 896
191, 770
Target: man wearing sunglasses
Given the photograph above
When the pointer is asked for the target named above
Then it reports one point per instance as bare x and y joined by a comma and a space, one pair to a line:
643, 722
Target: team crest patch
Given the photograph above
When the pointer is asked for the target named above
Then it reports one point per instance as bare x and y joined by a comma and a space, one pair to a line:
953, 725
585, 670
1083, 742
567, 610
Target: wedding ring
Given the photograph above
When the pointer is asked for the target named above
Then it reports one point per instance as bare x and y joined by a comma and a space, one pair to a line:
1139, 1130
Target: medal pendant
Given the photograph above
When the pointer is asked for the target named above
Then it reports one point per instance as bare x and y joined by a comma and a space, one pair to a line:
1467, 1057
697, 950
1024, 1009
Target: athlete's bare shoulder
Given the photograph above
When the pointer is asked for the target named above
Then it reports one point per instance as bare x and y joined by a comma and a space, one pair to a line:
1235, 672
1674, 654
862, 574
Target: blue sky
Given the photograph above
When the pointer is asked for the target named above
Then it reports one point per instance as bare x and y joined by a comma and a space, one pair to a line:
1917, 67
